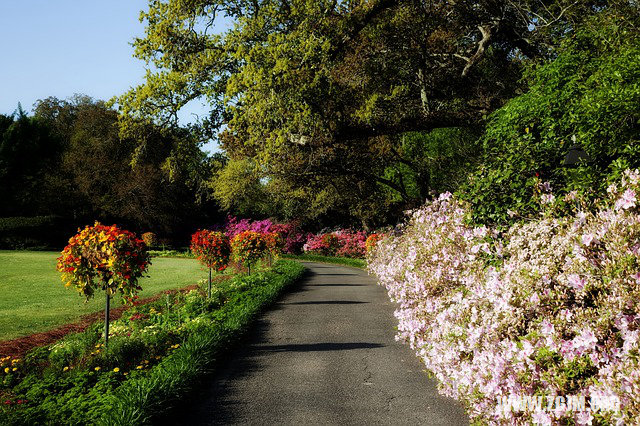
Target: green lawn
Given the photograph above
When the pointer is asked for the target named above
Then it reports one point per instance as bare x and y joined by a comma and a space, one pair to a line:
34, 299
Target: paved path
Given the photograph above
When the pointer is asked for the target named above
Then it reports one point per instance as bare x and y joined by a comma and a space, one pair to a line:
325, 354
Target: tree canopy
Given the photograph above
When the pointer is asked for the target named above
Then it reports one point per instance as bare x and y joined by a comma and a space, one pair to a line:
322, 94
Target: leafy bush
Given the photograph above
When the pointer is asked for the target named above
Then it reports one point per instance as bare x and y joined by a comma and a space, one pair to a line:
589, 96
34, 232
549, 308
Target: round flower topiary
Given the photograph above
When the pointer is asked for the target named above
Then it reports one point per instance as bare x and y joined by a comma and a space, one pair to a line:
212, 248
107, 258
249, 247
104, 257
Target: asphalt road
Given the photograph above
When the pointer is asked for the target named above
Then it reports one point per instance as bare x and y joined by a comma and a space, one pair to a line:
325, 354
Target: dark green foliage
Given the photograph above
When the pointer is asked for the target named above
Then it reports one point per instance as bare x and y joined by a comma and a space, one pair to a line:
34, 232
588, 95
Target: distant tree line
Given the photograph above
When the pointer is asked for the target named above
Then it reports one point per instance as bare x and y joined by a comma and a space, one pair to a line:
68, 162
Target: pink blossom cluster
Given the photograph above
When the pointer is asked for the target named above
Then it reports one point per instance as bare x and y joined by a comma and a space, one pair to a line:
290, 233
550, 306
236, 226
343, 242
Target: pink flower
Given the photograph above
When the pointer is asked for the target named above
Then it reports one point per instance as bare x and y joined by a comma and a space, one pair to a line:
576, 282
547, 198
583, 418
627, 200
587, 239
541, 418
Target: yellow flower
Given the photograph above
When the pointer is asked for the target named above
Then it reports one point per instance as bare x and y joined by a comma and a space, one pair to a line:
65, 369
6, 370
115, 370
139, 367
97, 368
14, 369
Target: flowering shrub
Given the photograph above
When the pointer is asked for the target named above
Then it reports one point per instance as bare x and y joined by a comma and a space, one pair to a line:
275, 243
212, 248
150, 239
352, 244
249, 246
235, 226
294, 239
104, 257
550, 308
371, 242
326, 244
344, 242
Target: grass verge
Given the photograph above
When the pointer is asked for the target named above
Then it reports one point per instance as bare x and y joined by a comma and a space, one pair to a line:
156, 356
35, 300
347, 261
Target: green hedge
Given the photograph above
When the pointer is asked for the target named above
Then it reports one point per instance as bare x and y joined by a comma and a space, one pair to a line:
35, 232
347, 261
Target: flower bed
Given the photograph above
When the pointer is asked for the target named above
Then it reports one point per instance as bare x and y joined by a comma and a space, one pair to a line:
157, 353
549, 308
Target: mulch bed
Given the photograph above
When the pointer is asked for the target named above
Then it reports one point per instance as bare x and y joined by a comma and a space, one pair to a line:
20, 346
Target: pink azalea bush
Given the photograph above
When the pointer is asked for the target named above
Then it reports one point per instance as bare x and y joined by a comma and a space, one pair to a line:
343, 242
326, 244
550, 307
293, 238
237, 226
352, 243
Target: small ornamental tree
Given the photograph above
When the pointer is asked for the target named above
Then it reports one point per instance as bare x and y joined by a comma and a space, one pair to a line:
106, 258
275, 245
212, 249
150, 239
249, 247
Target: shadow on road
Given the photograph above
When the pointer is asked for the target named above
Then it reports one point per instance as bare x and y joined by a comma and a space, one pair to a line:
326, 302
318, 347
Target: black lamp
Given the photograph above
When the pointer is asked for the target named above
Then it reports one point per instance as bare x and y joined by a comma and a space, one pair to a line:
575, 155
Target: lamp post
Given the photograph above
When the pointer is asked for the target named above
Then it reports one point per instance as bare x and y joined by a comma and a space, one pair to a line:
575, 156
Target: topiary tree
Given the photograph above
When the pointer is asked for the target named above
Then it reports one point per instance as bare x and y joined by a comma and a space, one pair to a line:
150, 239
249, 247
106, 258
212, 249
275, 245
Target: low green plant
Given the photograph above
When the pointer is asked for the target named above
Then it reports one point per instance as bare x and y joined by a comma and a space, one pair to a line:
347, 261
157, 353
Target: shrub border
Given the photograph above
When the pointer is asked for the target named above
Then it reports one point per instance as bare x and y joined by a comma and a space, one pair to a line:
139, 400
346, 261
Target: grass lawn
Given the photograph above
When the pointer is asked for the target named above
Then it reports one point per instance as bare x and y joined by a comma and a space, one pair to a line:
33, 299
347, 261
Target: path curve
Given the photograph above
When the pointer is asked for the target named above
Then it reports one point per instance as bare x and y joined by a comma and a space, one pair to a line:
325, 354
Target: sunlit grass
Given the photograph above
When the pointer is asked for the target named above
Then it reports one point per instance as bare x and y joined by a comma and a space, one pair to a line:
33, 298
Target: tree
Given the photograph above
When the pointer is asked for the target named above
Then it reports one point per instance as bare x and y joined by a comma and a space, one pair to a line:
153, 179
331, 87
587, 96
29, 157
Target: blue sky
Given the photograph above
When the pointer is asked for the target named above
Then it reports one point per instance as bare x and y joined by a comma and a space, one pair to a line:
58, 48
